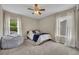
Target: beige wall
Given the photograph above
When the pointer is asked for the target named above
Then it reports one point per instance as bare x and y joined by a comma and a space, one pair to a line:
47, 25
28, 24
1, 21
77, 22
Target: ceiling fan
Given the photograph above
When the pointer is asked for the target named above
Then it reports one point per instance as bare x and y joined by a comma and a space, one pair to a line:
36, 9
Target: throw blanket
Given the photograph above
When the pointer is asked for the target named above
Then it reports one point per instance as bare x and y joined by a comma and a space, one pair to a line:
36, 36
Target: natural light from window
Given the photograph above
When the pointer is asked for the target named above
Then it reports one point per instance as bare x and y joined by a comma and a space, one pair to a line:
13, 26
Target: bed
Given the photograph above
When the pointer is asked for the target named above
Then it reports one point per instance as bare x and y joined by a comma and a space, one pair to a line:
37, 37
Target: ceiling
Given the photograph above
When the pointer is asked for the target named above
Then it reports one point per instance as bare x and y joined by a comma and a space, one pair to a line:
49, 9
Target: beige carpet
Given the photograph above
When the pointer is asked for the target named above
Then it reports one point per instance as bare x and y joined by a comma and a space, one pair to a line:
47, 48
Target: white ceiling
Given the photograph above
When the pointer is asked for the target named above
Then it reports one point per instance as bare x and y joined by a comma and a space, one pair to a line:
49, 9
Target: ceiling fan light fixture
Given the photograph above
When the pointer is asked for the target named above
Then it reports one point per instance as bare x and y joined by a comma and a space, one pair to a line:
37, 10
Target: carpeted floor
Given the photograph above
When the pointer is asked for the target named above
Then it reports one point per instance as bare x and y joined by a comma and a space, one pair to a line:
47, 48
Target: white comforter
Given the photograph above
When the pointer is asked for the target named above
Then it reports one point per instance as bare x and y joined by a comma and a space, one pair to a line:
44, 38
41, 38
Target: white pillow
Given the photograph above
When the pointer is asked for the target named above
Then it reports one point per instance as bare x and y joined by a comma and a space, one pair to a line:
30, 35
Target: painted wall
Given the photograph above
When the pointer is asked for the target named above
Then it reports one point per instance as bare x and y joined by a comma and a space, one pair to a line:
77, 22
28, 24
48, 25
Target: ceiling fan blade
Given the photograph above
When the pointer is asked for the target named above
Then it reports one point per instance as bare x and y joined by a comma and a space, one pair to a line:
42, 9
32, 13
30, 9
39, 13
36, 9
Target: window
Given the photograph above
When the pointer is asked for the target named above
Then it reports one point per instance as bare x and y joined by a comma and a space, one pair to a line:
13, 26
